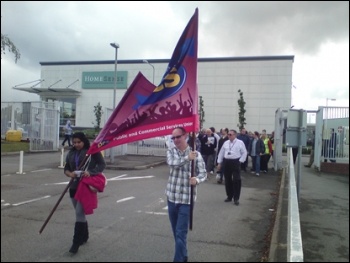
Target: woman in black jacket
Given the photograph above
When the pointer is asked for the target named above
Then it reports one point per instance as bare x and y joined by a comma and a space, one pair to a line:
74, 169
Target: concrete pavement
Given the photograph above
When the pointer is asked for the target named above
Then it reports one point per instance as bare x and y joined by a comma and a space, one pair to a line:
324, 217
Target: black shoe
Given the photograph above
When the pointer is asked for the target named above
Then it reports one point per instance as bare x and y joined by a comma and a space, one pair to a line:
228, 200
85, 235
74, 248
236, 202
78, 237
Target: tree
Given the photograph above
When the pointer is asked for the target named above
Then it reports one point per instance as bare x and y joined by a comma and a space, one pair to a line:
201, 112
98, 114
7, 43
241, 104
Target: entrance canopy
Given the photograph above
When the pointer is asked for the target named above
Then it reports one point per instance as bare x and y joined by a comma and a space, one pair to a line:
50, 92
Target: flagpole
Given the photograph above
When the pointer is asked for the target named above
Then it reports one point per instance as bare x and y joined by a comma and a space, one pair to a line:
56, 205
63, 193
192, 175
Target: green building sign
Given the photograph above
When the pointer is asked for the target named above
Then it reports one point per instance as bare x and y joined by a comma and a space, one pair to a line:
104, 80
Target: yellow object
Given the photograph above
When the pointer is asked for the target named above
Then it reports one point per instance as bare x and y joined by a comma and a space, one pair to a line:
13, 136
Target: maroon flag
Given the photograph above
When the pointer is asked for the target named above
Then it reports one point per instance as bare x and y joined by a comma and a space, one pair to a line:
147, 111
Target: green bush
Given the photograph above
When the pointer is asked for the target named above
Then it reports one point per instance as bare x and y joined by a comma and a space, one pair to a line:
90, 133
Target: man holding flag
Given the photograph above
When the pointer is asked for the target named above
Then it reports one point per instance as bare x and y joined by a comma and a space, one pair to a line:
179, 188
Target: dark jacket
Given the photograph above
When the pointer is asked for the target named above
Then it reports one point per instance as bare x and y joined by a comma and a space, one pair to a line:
259, 148
73, 160
208, 149
245, 138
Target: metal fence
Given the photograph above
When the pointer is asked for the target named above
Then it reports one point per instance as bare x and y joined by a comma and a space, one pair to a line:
45, 129
331, 135
153, 146
37, 121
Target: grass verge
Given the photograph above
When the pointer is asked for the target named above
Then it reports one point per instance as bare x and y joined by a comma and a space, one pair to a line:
7, 146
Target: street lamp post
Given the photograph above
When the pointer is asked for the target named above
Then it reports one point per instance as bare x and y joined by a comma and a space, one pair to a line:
146, 61
116, 46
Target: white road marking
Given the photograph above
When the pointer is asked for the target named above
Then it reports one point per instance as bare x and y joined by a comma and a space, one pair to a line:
57, 183
125, 199
33, 200
157, 213
42, 170
5, 204
131, 178
117, 177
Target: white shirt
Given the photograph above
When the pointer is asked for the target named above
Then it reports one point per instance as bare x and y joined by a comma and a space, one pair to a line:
233, 150
217, 137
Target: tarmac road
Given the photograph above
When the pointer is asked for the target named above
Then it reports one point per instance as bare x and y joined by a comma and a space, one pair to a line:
131, 222
140, 230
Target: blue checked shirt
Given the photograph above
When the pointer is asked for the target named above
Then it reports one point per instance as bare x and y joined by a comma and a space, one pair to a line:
178, 189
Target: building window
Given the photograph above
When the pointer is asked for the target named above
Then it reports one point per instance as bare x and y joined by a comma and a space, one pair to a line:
67, 111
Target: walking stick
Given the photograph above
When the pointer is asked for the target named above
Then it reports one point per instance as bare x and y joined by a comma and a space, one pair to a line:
192, 187
59, 199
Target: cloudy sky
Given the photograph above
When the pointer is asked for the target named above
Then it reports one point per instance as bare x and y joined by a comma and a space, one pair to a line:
316, 33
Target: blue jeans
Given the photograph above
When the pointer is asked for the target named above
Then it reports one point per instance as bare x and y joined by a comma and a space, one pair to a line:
179, 215
67, 138
256, 163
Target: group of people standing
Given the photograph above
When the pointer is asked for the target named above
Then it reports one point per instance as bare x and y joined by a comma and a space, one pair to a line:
229, 152
258, 146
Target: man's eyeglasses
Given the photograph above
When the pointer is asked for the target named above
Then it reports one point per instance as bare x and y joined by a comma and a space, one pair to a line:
176, 137
230, 134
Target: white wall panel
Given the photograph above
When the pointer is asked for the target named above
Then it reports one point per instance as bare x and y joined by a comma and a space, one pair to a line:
266, 86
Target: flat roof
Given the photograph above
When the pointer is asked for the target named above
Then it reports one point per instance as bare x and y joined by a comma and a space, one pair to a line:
141, 61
